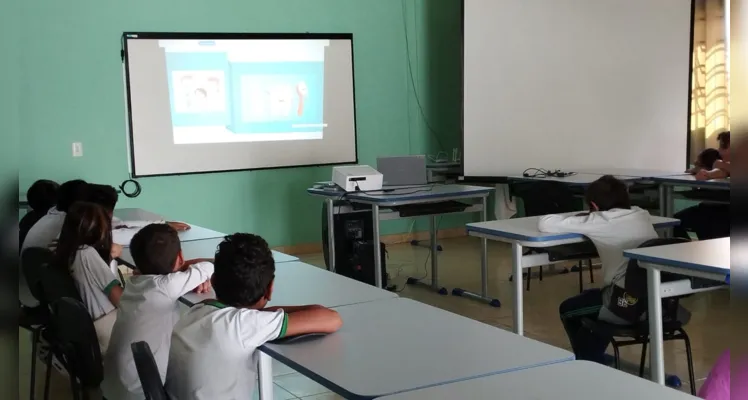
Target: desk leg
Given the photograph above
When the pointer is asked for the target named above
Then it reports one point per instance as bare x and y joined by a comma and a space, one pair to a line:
433, 253
434, 267
265, 372
483, 296
331, 232
377, 251
663, 200
657, 357
517, 308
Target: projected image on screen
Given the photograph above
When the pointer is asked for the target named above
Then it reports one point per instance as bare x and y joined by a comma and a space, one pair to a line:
201, 102
240, 91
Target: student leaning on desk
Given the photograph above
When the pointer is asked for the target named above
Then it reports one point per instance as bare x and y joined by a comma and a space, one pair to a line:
708, 220
613, 225
214, 345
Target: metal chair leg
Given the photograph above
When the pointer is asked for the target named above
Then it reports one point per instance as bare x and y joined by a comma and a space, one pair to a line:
581, 274
48, 375
689, 356
529, 277
643, 361
616, 355
592, 276
540, 274
35, 333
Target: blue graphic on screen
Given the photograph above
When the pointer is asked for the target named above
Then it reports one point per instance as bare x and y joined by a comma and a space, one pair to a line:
208, 89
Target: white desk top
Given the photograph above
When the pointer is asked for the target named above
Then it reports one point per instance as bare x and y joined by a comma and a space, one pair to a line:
578, 380
579, 179
401, 195
297, 283
712, 256
690, 180
526, 230
391, 346
205, 248
123, 236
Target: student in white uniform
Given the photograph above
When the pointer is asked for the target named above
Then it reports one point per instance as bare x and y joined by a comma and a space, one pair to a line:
148, 307
47, 229
613, 225
84, 251
213, 347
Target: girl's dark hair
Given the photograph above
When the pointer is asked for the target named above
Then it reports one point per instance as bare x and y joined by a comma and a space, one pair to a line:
86, 224
708, 157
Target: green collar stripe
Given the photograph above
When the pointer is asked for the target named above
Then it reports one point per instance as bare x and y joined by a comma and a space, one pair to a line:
214, 303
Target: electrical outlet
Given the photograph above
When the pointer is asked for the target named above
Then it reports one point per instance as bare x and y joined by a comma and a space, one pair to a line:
77, 149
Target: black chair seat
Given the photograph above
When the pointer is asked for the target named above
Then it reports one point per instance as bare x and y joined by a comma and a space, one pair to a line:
573, 251
33, 317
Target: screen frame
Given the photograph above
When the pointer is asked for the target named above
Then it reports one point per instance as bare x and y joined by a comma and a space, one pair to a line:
498, 179
228, 36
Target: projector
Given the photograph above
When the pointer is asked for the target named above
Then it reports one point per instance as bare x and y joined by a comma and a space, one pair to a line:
355, 178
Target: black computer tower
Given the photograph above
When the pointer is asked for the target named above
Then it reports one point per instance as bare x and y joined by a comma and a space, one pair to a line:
354, 255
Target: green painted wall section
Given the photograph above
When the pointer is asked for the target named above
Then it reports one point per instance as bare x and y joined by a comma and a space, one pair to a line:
66, 54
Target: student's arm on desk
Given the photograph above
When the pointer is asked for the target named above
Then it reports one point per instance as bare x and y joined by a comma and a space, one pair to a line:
309, 319
704, 175
177, 284
580, 223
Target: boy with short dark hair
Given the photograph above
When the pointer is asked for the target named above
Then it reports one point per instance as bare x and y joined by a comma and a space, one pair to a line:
227, 331
47, 229
613, 225
148, 306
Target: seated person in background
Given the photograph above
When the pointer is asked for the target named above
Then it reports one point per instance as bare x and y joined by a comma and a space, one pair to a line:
705, 161
708, 220
213, 347
84, 252
148, 307
47, 229
721, 167
613, 225
41, 196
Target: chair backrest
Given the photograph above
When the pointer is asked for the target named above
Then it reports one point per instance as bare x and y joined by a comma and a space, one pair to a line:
548, 197
150, 378
630, 303
34, 263
57, 283
73, 338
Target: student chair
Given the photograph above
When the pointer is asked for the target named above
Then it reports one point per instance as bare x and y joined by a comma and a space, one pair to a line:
150, 378
33, 262
638, 332
74, 343
550, 197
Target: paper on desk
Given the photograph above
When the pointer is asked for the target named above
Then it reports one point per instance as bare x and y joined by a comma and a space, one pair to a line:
123, 236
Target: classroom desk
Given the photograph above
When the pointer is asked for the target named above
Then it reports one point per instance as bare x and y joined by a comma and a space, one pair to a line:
123, 236
398, 345
708, 259
631, 172
578, 380
579, 179
205, 248
297, 283
668, 183
380, 201
523, 232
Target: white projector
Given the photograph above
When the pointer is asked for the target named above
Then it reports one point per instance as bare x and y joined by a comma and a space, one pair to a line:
354, 178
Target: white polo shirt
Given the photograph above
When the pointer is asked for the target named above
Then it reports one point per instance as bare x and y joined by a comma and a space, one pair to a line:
148, 310
94, 279
213, 351
46, 230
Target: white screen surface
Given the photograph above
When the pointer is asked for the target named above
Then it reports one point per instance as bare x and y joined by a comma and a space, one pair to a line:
575, 84
219, 104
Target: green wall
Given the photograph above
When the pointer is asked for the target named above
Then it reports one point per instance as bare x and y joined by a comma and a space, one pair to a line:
70, 89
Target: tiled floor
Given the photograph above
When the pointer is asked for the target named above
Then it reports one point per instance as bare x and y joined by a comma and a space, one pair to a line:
460, 267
